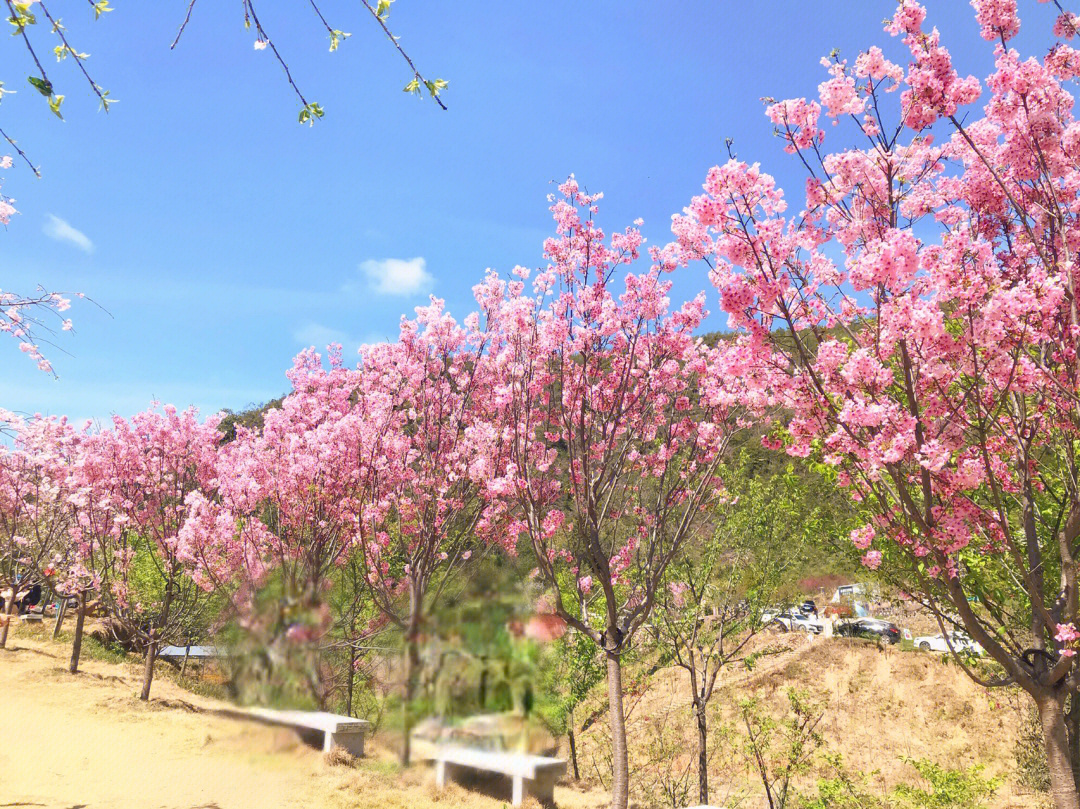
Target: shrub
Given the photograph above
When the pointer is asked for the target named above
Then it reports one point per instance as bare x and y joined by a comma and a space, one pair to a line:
946, 788
845, 790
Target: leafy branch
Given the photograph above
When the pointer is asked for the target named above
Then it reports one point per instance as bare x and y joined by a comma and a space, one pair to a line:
22, 17
310, 111
380, 12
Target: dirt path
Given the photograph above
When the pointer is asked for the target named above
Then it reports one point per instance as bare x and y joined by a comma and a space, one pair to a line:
88, 741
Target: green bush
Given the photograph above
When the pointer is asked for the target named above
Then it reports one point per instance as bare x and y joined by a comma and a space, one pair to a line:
946, 788
845, 790
943, 788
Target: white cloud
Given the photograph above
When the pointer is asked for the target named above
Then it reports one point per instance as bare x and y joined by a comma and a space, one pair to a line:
397, 276
59, 230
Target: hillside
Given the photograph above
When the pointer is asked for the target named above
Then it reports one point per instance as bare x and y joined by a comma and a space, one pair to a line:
881, 705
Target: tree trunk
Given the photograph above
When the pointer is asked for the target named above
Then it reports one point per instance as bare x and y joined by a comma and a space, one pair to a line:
702, 752
9, 612
61, 611
148, 668
573, 743
408, 692
152, 646
1063, 790
352, 677
1072, 727
620, 770
76, 645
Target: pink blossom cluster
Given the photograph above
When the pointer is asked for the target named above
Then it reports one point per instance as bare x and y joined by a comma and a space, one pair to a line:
23, 317
1067, 635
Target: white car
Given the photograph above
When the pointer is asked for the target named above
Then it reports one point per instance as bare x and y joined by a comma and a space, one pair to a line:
961, 642
791, 621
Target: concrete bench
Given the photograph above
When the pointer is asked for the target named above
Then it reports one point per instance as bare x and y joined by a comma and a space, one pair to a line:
532, 775
194, 652
337, 730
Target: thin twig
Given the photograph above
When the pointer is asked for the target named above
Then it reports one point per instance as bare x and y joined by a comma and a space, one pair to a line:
250, 8
78, 59
400, 50
21, 153
29, 47
321, 17
183, 25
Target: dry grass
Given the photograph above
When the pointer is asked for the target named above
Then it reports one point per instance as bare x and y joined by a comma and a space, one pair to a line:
882, 704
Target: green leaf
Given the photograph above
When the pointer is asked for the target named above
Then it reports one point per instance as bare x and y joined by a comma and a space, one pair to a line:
435, 87
44, 86
310, 112
336, 38
54, 105
22, 18
62, 51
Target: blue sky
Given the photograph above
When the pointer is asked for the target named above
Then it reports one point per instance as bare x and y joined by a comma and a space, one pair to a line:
220, 237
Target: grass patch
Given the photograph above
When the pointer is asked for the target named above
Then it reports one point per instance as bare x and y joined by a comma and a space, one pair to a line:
193, 682
94, 649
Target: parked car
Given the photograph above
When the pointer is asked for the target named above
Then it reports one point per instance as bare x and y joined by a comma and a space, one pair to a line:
791, 620
961, 642
808, 607
872, 628
768, 615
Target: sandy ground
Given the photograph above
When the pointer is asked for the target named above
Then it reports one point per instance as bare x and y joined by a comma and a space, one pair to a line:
86, 741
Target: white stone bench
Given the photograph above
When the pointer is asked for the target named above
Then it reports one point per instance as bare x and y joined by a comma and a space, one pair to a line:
531, 775
337, 730
195, 652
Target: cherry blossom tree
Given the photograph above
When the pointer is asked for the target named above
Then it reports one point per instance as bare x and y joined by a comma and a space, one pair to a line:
280, 517
422, 503
617, 420
96, 555
157, 458
919, 315
33, 513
